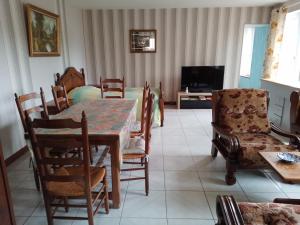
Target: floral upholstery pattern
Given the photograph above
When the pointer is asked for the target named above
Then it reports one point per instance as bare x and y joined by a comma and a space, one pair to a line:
270, 213
251, 144
243, 111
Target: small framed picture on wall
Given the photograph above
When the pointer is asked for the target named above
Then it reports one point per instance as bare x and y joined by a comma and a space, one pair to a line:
43, 28
142, 41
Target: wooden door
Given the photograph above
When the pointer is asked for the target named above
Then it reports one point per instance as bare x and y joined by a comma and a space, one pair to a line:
6, 208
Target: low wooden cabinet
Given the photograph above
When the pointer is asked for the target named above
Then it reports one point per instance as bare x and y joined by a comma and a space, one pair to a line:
193, 100
6, 207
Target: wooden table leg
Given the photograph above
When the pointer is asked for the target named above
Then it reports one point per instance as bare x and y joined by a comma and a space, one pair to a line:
115, 174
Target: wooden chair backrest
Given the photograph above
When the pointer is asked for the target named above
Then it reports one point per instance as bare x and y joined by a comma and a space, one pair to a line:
295, 112
60, 97
114, 86
149, 122
145, 105
43, 143
71, 78
32, 97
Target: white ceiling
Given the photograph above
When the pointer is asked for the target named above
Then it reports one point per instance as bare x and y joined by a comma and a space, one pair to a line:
155, 4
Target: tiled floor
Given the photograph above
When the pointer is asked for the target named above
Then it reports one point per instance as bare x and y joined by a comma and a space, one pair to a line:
184, 181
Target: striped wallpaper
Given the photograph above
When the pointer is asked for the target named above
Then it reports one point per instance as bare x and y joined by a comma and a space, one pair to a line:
185, 37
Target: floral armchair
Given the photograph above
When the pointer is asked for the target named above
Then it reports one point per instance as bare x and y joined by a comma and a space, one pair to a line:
241, 129
279, 212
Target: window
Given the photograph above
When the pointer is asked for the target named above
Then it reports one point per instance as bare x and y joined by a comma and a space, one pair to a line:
247, 50
289, 59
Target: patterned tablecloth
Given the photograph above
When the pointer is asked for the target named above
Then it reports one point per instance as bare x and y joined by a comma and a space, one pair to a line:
105, 117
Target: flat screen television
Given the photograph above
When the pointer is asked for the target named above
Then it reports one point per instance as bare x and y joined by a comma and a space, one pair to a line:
202, 78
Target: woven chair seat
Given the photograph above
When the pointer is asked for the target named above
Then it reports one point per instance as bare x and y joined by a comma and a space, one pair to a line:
133, 156
136, 149
72, 189
136, 146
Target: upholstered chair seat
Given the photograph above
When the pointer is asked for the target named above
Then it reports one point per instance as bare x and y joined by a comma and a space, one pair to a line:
251, 144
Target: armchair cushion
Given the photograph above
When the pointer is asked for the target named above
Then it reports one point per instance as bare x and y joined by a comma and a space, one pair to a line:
243, 110
251, 144
270, 213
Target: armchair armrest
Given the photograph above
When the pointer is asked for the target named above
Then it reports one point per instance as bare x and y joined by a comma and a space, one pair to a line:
228, 211
287, 201
232, 139
281, 132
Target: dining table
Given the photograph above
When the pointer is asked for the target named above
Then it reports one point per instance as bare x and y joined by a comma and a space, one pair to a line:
109, 123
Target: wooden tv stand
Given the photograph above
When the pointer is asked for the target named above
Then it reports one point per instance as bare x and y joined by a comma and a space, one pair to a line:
197, 99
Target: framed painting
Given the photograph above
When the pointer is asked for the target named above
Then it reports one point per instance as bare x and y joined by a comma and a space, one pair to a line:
43, 28
142, 41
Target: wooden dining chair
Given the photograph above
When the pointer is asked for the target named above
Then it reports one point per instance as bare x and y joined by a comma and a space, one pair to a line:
112, 88
66, 178
35, 108
60, 97
139, 150
139, 126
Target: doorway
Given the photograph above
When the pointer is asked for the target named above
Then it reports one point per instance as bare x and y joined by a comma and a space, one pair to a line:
253, 55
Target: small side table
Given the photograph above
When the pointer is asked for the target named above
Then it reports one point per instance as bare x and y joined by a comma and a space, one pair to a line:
289, 172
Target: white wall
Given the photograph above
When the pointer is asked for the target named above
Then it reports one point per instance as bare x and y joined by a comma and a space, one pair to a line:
22, 74
196, 36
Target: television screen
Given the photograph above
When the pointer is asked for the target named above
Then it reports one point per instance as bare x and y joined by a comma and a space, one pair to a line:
202, 78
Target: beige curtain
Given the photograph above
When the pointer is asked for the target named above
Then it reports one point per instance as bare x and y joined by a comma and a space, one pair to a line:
278, 16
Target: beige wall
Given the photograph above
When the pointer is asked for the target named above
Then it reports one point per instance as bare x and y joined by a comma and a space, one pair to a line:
184, 37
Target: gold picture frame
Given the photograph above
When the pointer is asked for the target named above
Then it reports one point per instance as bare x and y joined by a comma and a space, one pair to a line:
142, 41
43, 30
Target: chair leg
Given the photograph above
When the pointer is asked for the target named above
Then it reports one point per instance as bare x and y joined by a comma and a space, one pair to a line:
66, 204
162, 116
147, 177
48, 210
214, 152
230, 168
220, 221
91, 155
36, 177
90, 210
106, 201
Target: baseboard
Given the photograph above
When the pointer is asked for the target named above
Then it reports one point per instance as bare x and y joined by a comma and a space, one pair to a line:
170, 103
16, 155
